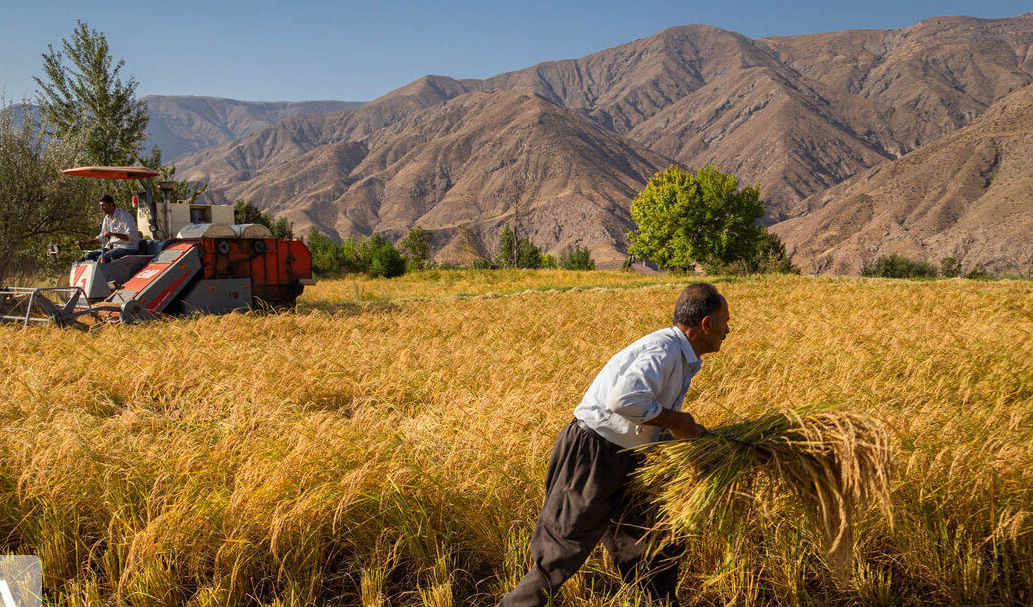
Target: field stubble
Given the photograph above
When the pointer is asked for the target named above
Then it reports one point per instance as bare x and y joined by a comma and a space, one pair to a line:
386, 444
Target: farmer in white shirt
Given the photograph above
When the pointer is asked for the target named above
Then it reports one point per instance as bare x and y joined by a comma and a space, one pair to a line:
636, 399
118, 236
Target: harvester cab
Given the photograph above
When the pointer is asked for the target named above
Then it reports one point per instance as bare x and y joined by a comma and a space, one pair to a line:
191, 258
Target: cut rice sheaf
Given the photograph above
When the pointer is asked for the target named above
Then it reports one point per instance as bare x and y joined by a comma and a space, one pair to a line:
828, 461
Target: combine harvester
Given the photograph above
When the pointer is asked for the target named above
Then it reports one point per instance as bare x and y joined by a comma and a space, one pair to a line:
191, 259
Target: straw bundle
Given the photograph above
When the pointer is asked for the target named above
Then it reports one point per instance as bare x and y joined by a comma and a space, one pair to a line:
825, 461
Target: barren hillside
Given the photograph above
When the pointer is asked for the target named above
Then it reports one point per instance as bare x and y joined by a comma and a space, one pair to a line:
969, 196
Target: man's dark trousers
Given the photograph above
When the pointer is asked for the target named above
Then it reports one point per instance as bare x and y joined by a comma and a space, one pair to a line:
587, 499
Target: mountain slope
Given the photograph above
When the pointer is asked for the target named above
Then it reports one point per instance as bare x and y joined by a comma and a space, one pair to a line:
180, 125
969, 196
470, 165
293, 137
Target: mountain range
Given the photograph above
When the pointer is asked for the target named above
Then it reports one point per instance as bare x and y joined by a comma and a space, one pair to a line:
825, 124
179, 125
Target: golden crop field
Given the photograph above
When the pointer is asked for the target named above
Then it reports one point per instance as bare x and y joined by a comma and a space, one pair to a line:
386, 443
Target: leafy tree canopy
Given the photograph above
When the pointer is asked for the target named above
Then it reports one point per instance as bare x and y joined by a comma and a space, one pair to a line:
704, 218
83, 95
38, 204
416, 248
245, 211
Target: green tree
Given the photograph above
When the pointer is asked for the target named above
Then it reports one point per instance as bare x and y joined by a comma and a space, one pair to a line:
517, 252
244, 211
38, 204
508, 246
580, 258
704, 218
330, 257
86, 98
529, 256
283, 229
416, 248
378, 257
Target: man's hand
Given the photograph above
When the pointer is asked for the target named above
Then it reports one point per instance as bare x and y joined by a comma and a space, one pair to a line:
678, 423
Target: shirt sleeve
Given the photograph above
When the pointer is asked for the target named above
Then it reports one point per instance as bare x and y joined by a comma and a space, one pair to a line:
634, 395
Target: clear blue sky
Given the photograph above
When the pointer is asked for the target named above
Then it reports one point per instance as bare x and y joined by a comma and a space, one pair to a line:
271, 50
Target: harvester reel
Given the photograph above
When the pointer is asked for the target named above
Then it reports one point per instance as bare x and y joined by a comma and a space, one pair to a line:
44, 305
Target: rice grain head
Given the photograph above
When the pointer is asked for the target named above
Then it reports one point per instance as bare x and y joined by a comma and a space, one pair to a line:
828, 463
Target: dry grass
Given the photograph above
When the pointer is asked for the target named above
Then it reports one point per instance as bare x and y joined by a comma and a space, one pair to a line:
388, 449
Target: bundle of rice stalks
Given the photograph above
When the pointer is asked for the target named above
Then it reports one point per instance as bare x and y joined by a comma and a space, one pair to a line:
827, 462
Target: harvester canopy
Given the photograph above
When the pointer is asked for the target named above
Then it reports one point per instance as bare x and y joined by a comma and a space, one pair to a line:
104, 172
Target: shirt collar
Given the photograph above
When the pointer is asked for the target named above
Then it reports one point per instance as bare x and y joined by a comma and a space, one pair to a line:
688, 354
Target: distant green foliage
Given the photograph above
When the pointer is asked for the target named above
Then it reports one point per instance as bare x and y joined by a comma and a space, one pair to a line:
702, 218
378, 257
898, 266
373, 255
507, 255
580, 258
768, 258
246, 212
950, 267
515, 251
83, 96
978, 274
39, 204
416, 249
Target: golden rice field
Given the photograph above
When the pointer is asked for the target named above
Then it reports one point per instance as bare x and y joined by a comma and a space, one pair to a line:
385, 444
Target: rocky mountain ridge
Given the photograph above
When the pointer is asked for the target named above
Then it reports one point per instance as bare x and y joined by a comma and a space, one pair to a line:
797, 115
968, 195
180, 124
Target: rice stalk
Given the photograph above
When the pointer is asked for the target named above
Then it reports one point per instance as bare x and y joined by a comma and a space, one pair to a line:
827, 461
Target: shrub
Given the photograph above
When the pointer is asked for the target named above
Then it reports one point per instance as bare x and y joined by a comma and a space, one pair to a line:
898, 266
950, 267
373, 255
578, 259
768, 258
379, 257
515, 251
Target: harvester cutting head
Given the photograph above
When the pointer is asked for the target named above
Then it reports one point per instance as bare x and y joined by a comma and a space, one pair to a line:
58, 305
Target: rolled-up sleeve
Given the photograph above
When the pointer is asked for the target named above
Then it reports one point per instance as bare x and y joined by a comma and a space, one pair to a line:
634, 396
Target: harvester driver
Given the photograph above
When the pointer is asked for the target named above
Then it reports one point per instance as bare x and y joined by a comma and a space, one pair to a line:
118, 235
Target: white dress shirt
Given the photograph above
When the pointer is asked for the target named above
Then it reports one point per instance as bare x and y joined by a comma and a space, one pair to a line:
651, 374
119, 222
